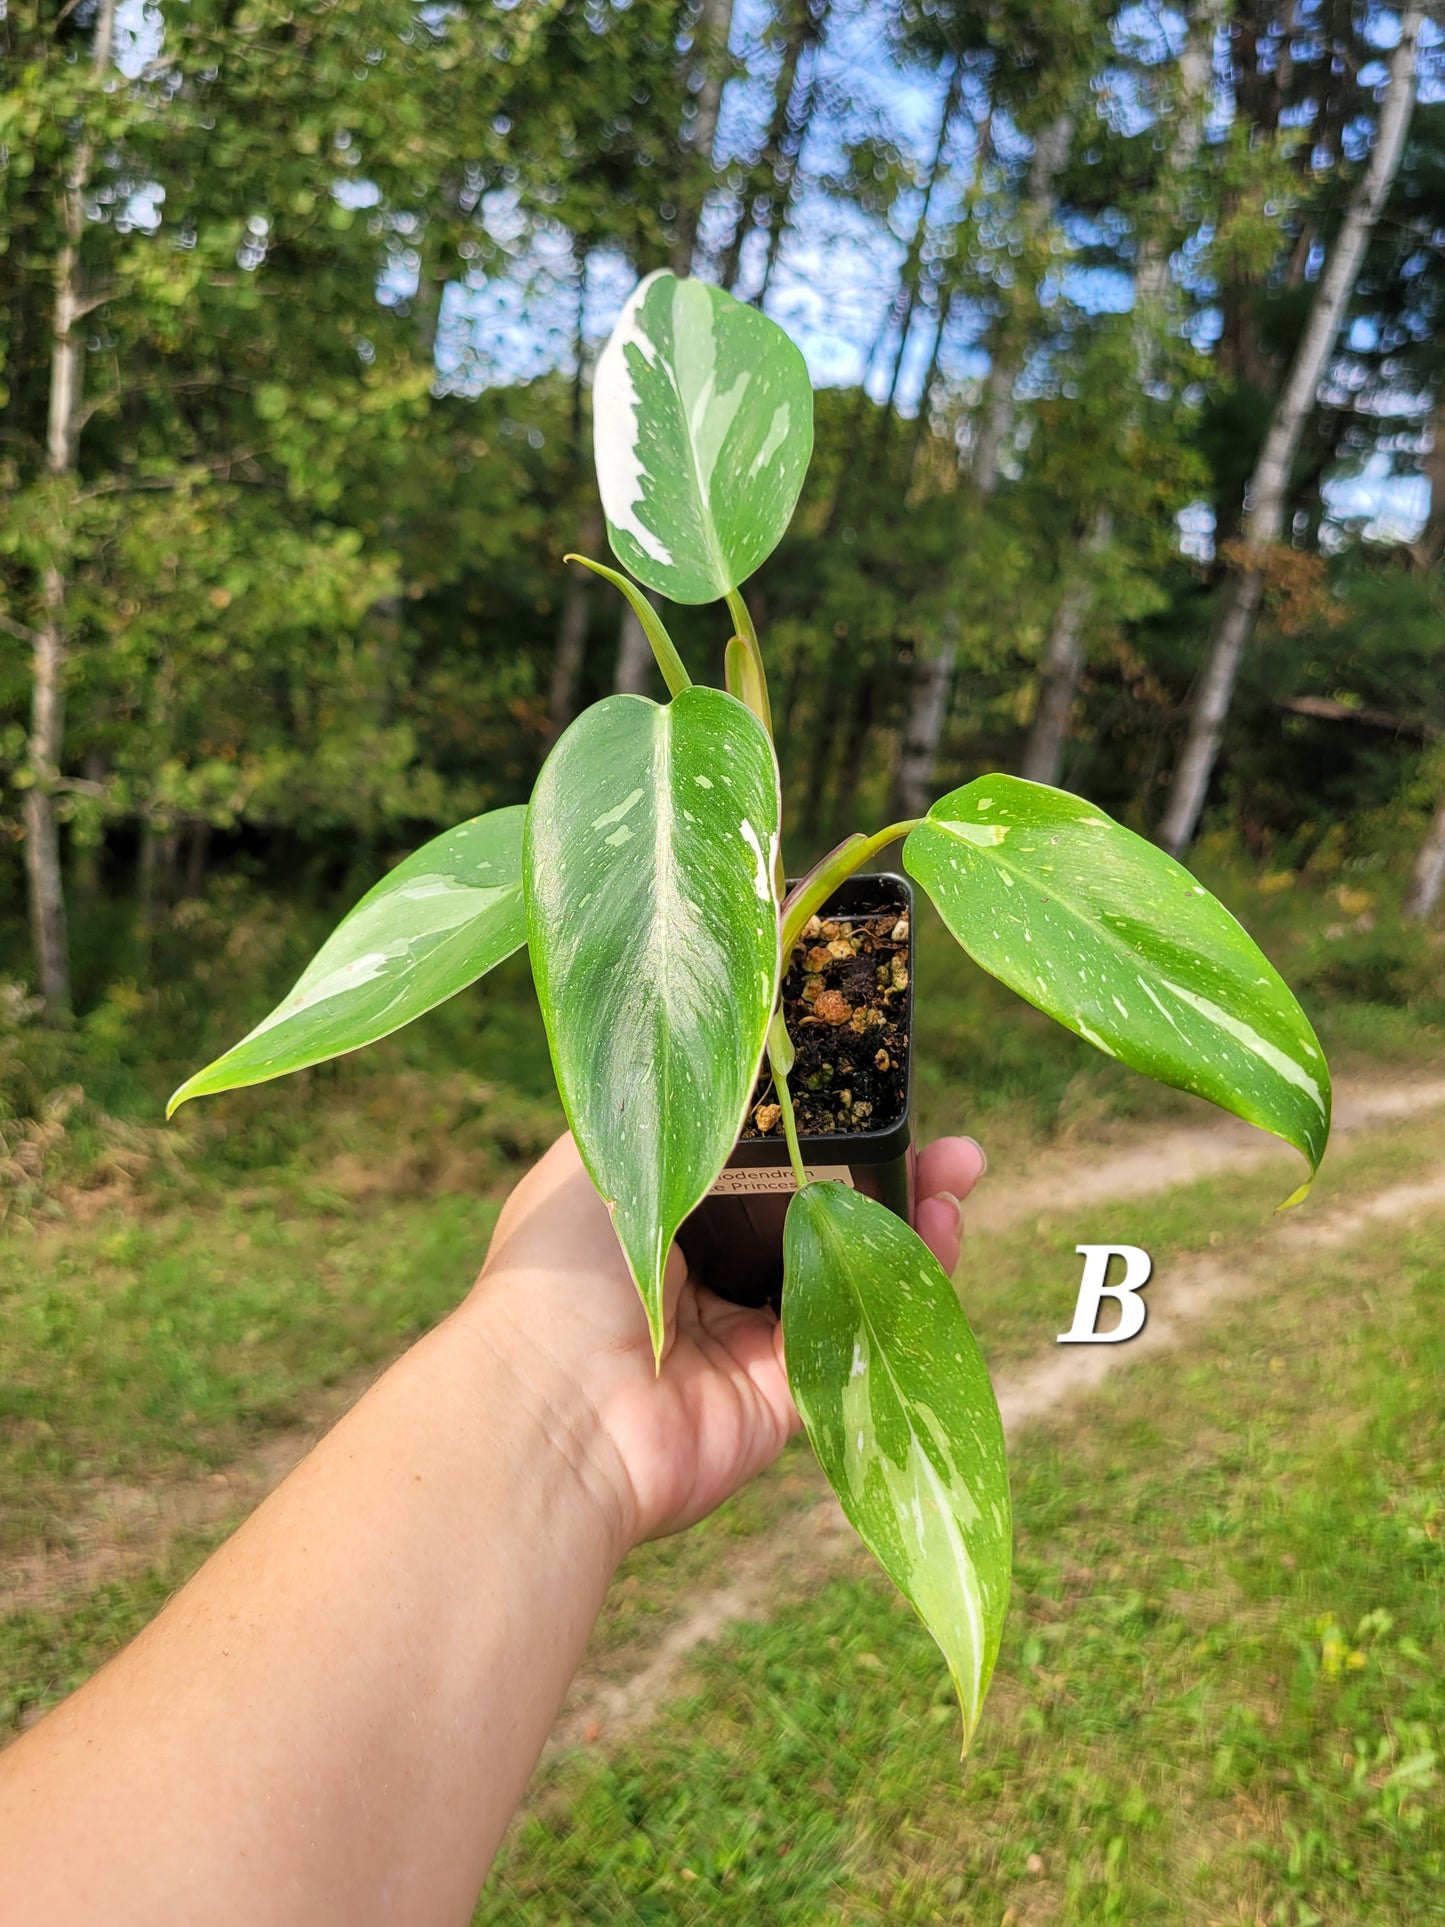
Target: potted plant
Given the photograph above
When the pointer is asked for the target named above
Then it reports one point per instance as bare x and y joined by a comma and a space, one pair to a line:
644, 877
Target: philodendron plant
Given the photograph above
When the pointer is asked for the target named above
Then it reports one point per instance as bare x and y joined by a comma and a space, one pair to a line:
644, 878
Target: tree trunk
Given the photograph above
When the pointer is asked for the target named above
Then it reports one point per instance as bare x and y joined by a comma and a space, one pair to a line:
1429, 873
1430, 547
1065, 655
925, 392
145, 882
822, 734
767, 173
1051, 150
47, 716
855, 750
634, 657
714, 30
1264, 517
906, 299
1064, 662
572, 633
1151, 278
198, 851
983, 146
785, 172
923, 732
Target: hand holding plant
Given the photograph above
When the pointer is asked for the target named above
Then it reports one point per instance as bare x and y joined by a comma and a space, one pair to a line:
719, 1409
646, 880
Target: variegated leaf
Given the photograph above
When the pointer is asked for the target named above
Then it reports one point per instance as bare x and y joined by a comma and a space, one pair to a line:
654, 937
703, 428
1120, 943
897, 1402
434, 925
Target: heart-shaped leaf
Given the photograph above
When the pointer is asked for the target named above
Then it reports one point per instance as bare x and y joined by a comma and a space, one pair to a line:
439, 921
653, 927
702, 417
1121, 944
897, 1402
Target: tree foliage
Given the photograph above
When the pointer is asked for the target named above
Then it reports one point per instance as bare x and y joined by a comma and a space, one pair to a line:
337, 285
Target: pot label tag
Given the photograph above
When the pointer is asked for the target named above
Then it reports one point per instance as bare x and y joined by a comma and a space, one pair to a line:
748, 1184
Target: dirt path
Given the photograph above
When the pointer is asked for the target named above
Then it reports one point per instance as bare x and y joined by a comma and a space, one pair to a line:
792, 1558
127, 1528
1157, 1160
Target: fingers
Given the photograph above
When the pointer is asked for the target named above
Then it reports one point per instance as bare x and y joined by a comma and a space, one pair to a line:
946, 1172
952, 1164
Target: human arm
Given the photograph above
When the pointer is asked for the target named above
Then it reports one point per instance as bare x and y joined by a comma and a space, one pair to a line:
335, 1719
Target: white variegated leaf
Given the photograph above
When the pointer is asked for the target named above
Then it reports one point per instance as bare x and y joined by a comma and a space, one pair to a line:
897, 1403
439, 921
1120, 943
703, 428
653, 927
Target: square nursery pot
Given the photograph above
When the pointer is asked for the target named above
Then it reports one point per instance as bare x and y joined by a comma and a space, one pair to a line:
733, 1241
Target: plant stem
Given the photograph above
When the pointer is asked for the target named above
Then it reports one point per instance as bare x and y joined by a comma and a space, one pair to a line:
785, 1104
815, 889
748, 636
663, 647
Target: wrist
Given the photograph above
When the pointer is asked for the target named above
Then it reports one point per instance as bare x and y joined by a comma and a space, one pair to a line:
559, 1415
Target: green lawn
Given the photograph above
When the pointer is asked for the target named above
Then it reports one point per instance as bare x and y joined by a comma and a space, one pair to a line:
1221, 1695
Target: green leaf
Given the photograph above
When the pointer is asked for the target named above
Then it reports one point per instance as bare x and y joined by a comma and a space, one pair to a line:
1121, 944
654, 936
896, 1399
439, 921
703, 428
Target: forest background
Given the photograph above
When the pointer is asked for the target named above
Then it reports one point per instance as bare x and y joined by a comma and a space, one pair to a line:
1130, 471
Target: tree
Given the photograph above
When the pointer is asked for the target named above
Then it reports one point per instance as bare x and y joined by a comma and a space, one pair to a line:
708, 73
1269, 486
767, 179
191, 307
1157, 222
1427, 879
64, 420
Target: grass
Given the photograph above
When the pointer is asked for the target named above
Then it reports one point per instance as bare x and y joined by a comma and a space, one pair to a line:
155, 1346
1220, 1696
1220, 1693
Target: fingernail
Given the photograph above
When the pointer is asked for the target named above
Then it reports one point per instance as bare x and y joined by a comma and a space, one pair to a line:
947, 1197
982, 1155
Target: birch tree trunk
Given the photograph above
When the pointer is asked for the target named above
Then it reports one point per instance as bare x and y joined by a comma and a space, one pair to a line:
767, 174
923, 732
1064, 662
1051, 150
714, 30
785, 171
634, 657
982, 149
46, 747
906, 299
572, 633
1065, 655
1269, 486
1428, 879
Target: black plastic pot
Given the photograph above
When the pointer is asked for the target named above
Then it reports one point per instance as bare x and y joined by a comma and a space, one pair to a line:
733, 1241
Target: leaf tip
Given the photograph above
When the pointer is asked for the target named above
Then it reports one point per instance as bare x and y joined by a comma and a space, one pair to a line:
1299, 1194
